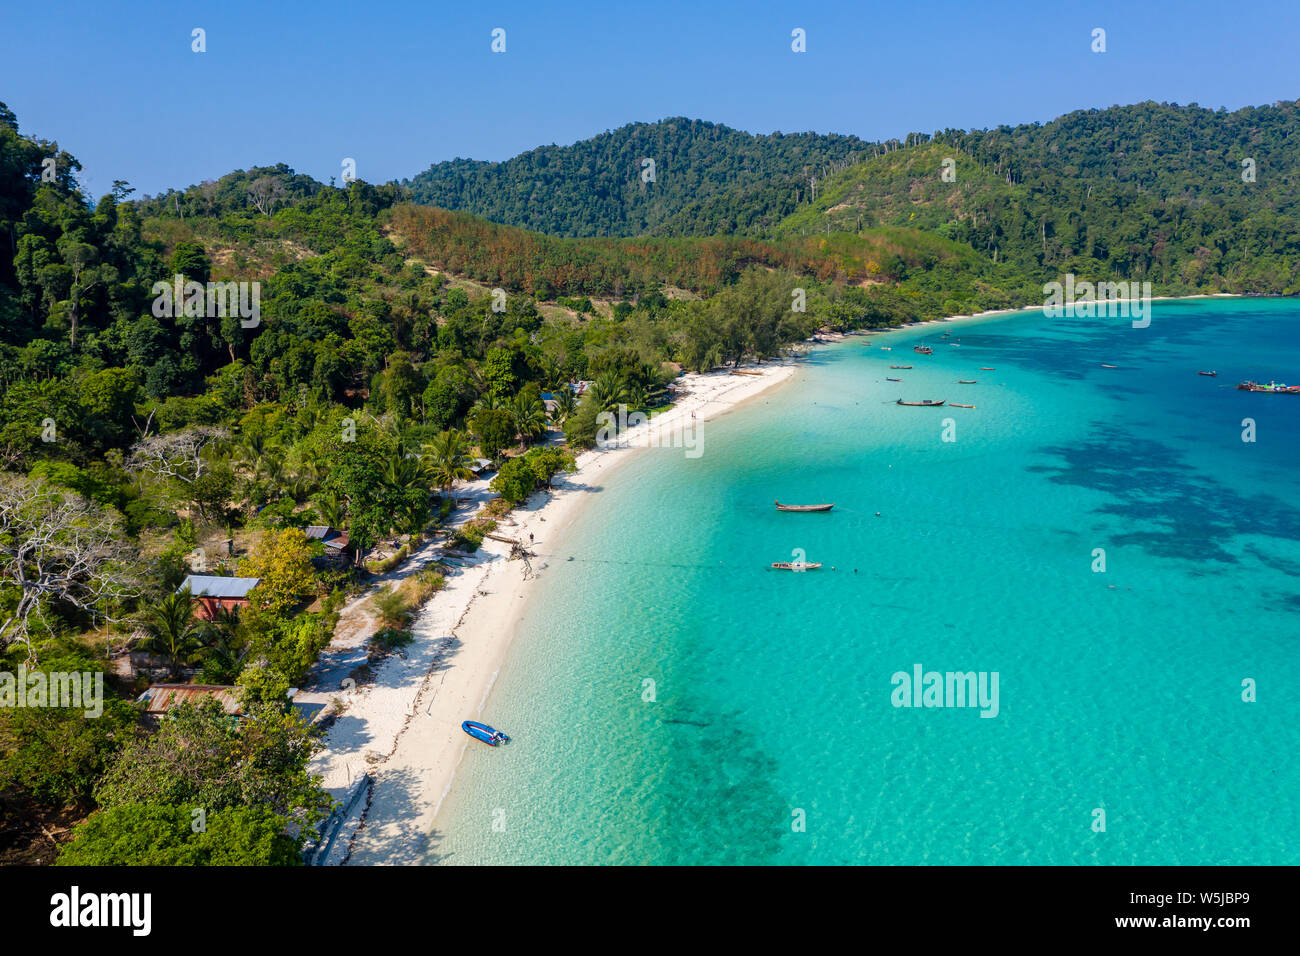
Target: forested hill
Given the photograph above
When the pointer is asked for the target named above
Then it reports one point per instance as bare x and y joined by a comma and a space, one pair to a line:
1178, 195
1148, 191
596, 187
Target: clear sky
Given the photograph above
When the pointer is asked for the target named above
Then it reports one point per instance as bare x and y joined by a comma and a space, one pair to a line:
398, 85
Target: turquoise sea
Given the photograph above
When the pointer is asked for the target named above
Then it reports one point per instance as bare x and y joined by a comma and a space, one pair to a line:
771, 738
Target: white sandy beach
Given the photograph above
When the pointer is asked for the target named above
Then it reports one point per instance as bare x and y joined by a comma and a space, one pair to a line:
403, 728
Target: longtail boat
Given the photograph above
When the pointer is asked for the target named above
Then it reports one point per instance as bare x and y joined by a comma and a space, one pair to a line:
960, 405
900, 366
985, 368
888, 379
781, 507
967, 381
926, 402
1210, 374
923, 349
795, 565
1110, 366
1272, 388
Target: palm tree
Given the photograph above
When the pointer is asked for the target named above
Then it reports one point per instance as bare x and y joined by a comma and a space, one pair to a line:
487, 402
330, 509
566, 403
251, 450
636, 399
224, 656
409, 476
530, 416
171, 630
448, 459
305, 480
608, 392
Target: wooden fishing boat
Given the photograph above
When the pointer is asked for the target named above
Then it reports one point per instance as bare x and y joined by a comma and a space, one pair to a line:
927, 402
888, 379
489, 735
985, 368
781, 507
900, 366
795, 565
1110, 366
1210, 374
967, 381
960, 405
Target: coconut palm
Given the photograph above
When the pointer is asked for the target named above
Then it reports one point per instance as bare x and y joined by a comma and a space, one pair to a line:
171, 630
252, 448
448, 459
566, 403
636, 399
530, 416
330, 509
409, 477
486, 402
608, 392
226, 651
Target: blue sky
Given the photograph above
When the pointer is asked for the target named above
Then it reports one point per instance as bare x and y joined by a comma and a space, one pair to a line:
397, 85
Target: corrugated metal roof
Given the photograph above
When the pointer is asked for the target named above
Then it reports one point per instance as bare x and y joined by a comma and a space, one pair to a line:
331, 537
202, 585
162, 697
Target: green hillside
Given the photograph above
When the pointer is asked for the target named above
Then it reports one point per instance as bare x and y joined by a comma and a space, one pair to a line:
596, 188
1150, 191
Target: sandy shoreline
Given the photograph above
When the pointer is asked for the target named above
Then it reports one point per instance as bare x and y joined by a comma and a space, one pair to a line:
403, 729
990, 313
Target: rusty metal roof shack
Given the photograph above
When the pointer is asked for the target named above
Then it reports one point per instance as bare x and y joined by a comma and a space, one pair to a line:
161, 698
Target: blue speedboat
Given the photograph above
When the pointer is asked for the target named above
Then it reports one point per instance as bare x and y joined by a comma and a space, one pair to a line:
489, 735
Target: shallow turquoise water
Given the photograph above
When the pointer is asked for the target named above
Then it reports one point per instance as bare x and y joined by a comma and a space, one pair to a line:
1118, 690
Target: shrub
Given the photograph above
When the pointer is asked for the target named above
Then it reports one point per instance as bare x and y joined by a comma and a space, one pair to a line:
392, 609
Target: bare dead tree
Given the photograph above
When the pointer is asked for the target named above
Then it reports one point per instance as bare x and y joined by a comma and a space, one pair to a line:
144, 429
56, 546
176, 455
265, 192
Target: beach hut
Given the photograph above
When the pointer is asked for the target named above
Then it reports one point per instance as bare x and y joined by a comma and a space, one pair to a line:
335, 541
213, 593
161, 698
